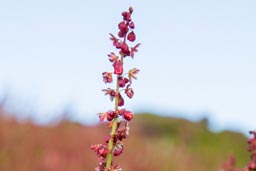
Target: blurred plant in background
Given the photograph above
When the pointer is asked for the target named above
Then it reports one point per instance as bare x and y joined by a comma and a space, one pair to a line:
230, 164
176, 144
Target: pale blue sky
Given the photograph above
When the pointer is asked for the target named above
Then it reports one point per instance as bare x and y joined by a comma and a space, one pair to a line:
197, 57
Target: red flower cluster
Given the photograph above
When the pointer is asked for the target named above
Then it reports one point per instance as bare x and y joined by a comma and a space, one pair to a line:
118, 119
126, 32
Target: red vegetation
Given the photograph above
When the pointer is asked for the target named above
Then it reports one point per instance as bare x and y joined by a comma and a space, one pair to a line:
155, 143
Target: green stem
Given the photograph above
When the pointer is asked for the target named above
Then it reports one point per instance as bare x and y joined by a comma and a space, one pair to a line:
110, 145
113, 130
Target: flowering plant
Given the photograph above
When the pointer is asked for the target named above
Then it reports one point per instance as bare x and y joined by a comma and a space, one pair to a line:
118, 118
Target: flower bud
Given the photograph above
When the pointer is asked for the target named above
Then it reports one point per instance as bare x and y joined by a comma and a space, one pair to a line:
123, 27
110, 115
126, 16
127, 115
125, 49
121, 34
118, 67
122, 81
130, 10
119, 45
107, 77
131, 36
129, 92
131, 25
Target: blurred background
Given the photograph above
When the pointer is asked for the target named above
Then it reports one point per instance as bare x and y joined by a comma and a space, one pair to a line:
197, 71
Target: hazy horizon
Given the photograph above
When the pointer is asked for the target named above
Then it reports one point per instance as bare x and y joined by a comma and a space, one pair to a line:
196, 58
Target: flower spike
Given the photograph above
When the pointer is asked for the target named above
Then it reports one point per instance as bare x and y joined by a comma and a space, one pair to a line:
118, 119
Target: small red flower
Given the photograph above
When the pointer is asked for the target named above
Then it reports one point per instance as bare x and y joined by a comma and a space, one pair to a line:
125, 49
102, 116
123, 27
129, 92
112, 57
113, 38
120, 100
100, 149
110, 115
127, 115
95, 146
118, 148
107, 77
131, 36
121, 34
126, 16
122, 81
110, 92
123, 132
134, 49
116, 42
119, 44
132, 73
118, 67
131, 25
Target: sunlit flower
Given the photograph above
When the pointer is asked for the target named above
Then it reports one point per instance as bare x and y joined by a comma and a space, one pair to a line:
118, 67
132, 74
112, 57
107, 77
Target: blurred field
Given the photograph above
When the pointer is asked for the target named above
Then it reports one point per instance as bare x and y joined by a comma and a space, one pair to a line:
155, 143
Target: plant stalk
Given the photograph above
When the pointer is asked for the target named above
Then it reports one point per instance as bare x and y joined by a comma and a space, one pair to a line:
113, 130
